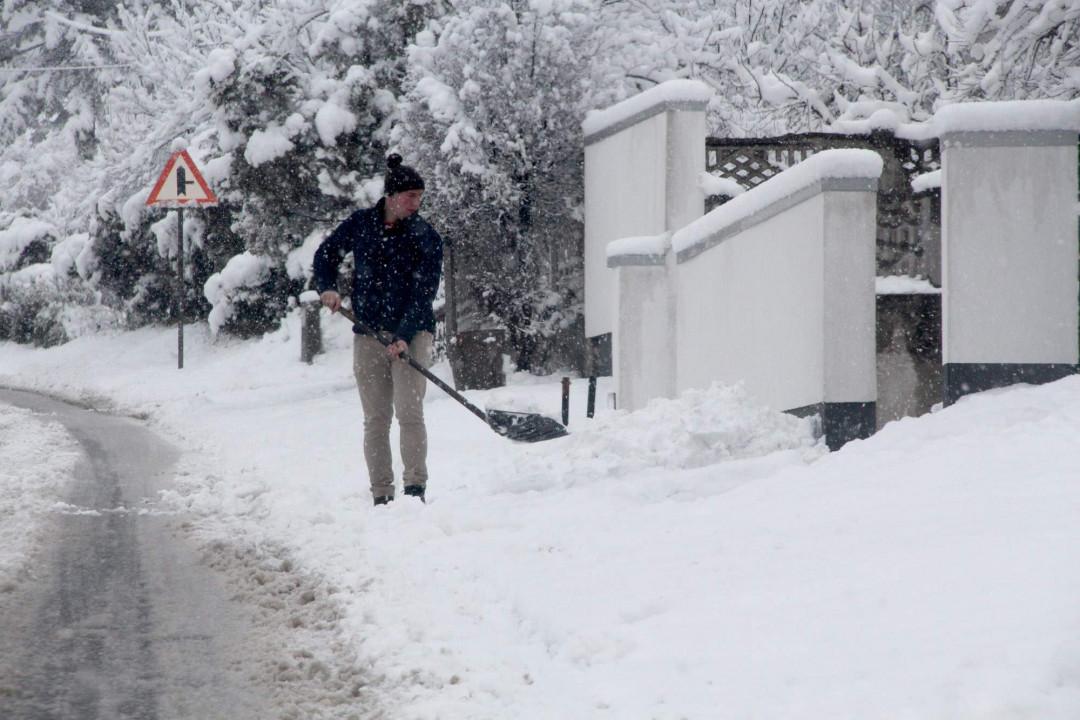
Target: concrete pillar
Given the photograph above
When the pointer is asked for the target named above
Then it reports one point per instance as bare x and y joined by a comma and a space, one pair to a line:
643, 160
1009, 255
644, 349
849, 410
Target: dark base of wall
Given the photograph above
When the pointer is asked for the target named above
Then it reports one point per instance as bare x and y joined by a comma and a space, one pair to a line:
965, 378
841, 422
598, 362
909, 381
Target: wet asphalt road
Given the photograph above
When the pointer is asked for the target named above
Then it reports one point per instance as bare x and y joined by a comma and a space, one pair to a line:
120, 619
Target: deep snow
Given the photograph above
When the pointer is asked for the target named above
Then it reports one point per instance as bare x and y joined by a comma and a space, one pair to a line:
701, 558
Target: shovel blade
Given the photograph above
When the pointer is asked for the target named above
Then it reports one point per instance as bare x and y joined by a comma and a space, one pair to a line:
524, 427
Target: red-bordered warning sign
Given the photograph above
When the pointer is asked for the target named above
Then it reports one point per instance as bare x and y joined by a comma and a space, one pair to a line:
181, 184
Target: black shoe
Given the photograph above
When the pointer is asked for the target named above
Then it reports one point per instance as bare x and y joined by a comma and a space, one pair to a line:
383, 499
415, 491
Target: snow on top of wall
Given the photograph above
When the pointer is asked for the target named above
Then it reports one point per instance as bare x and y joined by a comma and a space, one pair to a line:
904, 285
1010, 115
643, 245
1031, 115
672, 91
21, 232
926, 181
825, 164
713, 185
889, 120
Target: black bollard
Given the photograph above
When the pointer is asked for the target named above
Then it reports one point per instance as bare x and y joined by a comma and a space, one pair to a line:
590, 406
310, 332
566, 401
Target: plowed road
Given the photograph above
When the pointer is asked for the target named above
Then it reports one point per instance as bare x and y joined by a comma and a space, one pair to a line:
119, 619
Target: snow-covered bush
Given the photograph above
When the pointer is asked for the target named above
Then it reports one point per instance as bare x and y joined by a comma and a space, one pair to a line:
25, 241
248, 297
133, 278
27, 314
42, 306
45, 298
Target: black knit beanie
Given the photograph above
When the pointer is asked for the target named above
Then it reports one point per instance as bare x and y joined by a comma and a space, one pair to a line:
400, 178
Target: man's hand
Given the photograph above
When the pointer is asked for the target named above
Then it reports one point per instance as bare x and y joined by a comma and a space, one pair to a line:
395, 349
331, 300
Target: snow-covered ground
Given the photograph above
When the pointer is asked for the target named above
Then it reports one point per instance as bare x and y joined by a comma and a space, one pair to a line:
701, 558
37, 459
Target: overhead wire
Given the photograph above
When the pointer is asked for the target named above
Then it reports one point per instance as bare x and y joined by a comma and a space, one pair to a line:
64, 68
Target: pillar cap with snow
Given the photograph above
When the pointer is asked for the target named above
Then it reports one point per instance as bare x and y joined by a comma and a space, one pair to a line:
644, 250
1009, 123
670, 95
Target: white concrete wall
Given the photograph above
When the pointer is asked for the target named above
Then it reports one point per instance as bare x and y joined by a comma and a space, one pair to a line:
643, 159
786, 307
1009, 248
774, 290
850, 305
684, 198
625, 195
751, 307
644, 343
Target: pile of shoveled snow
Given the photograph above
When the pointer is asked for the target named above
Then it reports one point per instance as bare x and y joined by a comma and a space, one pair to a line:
37, 458
697, 429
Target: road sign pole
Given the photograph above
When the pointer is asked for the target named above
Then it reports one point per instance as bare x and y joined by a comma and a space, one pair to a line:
180, 182
180, 290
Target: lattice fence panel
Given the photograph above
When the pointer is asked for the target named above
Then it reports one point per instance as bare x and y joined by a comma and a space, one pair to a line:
908, 223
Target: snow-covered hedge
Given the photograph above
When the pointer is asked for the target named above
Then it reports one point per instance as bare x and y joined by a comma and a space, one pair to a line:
238, 293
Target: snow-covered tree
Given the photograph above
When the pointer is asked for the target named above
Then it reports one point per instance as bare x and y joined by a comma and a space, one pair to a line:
51, 100
286, 103
798, 65
759, 55
496, 95
302, 108
289, 107
1010, 49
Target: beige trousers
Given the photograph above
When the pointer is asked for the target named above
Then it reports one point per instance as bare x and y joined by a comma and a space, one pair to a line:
387, 387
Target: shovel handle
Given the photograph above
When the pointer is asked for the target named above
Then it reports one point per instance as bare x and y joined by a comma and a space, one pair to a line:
387, 341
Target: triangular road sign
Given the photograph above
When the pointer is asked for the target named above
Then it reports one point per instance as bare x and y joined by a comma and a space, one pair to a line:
181, 184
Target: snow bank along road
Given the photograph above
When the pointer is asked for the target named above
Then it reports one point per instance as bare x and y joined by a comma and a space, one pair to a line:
119, 619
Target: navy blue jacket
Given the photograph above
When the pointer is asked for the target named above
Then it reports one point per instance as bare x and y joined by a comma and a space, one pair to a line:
396, 271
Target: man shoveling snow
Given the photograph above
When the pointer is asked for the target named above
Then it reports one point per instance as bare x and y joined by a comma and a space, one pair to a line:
398, 261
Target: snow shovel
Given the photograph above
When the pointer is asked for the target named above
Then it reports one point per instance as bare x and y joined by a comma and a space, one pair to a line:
523, 427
